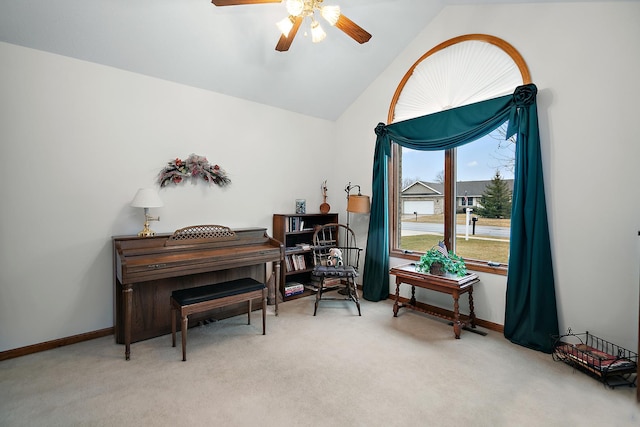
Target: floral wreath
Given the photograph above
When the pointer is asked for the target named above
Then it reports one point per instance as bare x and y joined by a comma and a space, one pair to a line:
195, 166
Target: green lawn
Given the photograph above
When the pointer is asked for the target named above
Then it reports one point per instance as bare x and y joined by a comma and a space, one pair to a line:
490, 250
476, 247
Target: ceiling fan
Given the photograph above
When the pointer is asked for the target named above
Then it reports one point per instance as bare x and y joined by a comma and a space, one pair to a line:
299, 10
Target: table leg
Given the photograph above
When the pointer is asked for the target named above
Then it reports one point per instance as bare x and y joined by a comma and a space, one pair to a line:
127, 294
456, 315
413, 295
276, 285
395, 305
472, 315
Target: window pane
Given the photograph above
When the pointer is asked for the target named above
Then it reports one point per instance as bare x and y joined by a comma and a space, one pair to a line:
484, 185
421, 199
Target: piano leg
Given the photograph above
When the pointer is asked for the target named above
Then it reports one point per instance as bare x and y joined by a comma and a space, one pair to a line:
185, 326
277, 284
127, 293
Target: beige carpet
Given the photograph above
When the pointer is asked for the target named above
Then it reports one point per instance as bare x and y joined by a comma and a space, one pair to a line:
335, 369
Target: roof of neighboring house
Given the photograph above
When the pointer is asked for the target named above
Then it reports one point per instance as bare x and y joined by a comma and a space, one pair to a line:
470, 188
424, 188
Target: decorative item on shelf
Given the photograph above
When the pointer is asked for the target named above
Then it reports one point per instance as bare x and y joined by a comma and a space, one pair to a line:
194, 167
301, 206
324, 207
438, 261
147, 198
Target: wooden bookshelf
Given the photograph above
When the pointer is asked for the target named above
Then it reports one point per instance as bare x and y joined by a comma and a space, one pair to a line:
295, 231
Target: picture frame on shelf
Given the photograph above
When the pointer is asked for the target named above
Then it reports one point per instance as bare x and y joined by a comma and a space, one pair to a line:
301, 206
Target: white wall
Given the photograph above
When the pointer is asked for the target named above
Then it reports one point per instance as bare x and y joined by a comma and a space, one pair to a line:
78, 139
584, 59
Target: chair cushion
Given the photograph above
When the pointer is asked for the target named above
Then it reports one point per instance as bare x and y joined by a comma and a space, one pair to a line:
337, 271
219, 290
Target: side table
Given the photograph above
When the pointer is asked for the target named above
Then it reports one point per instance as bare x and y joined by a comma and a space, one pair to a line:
454, 286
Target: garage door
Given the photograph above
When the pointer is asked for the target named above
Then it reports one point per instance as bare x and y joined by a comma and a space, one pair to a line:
424, 207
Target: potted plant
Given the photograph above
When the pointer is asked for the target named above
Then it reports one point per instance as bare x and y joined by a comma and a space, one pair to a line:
438, 261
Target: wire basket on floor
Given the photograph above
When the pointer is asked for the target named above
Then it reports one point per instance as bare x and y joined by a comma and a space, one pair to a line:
613, 365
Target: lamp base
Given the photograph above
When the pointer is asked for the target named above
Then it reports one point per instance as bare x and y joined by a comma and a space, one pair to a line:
325, 208
146, 231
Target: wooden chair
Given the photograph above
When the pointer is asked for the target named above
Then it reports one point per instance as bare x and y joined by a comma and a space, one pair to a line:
331, 273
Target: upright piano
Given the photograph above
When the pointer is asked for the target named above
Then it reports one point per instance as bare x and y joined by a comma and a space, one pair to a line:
148, 269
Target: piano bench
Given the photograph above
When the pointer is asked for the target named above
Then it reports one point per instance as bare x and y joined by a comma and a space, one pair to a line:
205, 298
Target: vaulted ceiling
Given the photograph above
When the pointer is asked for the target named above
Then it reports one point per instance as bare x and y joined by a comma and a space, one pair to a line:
230, 50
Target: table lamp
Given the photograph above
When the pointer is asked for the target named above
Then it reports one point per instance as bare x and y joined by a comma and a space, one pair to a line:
147, 198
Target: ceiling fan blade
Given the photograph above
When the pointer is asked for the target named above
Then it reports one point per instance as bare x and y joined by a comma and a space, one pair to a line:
241, 2
285, 41
352, 29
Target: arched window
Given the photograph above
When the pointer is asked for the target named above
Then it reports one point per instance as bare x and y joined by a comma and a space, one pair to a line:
459, 195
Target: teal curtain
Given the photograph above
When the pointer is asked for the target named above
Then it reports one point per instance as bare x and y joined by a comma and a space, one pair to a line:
531, 315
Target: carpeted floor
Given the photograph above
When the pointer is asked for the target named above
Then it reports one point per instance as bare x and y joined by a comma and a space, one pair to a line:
335, 369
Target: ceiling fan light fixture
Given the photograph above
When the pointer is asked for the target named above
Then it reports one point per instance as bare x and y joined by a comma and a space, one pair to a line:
331, 14
317, 33
295, 7
285, 25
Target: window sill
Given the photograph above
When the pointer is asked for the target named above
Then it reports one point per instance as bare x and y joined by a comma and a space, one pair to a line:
472, 265
500, 270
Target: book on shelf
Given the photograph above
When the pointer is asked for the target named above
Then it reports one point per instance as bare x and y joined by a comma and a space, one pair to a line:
300, 264
295, 262
296, 223
293, 288
293, 284
293, 292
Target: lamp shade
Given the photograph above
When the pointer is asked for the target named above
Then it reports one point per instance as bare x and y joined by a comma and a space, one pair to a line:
295, 7
331, 14
317, 33
358, 204
285, 25
147, 198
